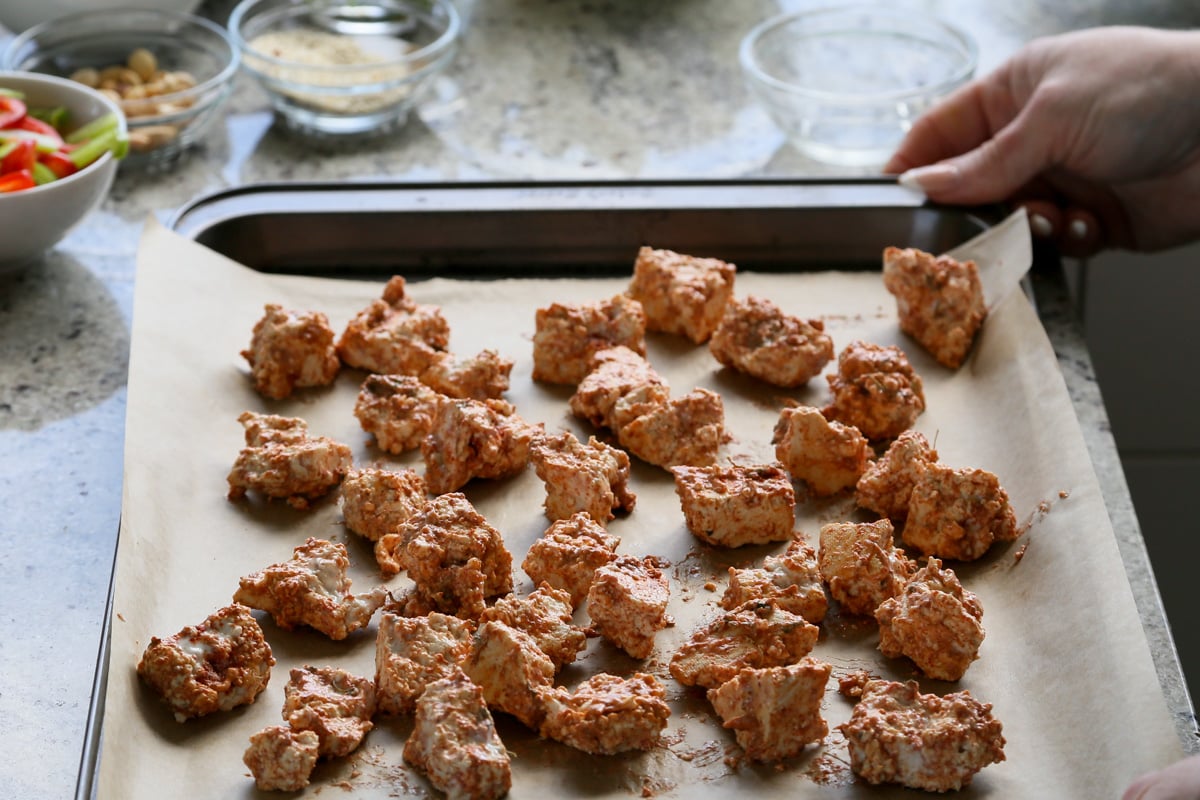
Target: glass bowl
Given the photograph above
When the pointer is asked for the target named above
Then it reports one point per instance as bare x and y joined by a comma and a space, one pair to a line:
183, 77
844, 84
336, 67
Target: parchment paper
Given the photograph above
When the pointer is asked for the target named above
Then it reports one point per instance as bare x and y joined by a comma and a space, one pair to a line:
1065, 662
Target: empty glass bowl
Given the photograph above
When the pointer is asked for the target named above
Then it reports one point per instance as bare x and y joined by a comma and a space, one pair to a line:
845, 84
345, 66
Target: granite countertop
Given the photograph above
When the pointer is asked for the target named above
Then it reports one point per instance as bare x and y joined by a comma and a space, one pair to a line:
542, 89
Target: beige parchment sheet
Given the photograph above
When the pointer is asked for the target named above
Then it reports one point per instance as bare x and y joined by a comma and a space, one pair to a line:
1065, 662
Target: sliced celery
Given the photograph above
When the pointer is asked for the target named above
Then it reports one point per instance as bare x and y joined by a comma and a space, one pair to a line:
95, 128
43, 174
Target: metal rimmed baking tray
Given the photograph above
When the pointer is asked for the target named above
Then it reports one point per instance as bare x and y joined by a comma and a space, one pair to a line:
496, 230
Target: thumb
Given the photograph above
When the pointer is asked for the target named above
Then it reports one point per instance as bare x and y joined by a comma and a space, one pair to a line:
991, 172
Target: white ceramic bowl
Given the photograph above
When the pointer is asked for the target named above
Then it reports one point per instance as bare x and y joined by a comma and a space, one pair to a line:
34, 220
336, 68
845, 83
17, 15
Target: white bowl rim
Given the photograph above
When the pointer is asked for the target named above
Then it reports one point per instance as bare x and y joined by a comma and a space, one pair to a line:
750, 63
439, 44
204, 87
65, 83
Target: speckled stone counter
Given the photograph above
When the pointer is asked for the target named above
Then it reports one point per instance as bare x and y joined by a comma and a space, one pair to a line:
542, 89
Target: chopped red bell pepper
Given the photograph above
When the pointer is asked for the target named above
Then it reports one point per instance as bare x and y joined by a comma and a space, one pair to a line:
30, 123
58, 163
16, 181
21, 157
11, 110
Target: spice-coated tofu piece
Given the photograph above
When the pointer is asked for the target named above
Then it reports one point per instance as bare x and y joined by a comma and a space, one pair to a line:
220, 664
686, 430
412, 652
281, 460
474, 439
627, 603
281, 759
875, 390
568, 555
887, 485
681, 294
958, 513
939, 301
290, 350
774, 712
607, 714
566, 336
311, 589
922, 741
510, 667
756, 635
860, 564
480, 377
455, 558
617, 373
332, 703
394, 335
733, 505
757, 338
375, 501
545, 614
828, 456
454, 742
792, 580
593, 478
934, 622
398, 410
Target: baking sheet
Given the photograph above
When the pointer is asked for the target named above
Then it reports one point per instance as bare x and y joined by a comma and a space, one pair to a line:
1065, 663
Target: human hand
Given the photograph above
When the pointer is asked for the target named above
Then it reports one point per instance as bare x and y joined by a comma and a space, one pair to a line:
1096, 132
1179, 781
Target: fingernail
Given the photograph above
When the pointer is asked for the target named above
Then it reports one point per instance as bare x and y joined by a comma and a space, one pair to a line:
1078, 229
1040, 226
932, 179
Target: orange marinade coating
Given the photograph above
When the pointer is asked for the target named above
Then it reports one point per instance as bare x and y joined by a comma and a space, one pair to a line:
510, 667
332, 703
732, 506
568, 554
545, 614
281, 460
481, 377
757, 338
220, 664
939, 301
394, 335
454, 557
398, 410
616, 373
686, 430
375, 501
281, 759
755, 635
922, 741
568, 335
412, 652
860, 564
934, 622
887, 484
311, 589
681, 294
454, 742
792, 580
607, 714
958, 513
774, 712
290, 350
828, 456
627, 603
875, 390
593, 478
474, 439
